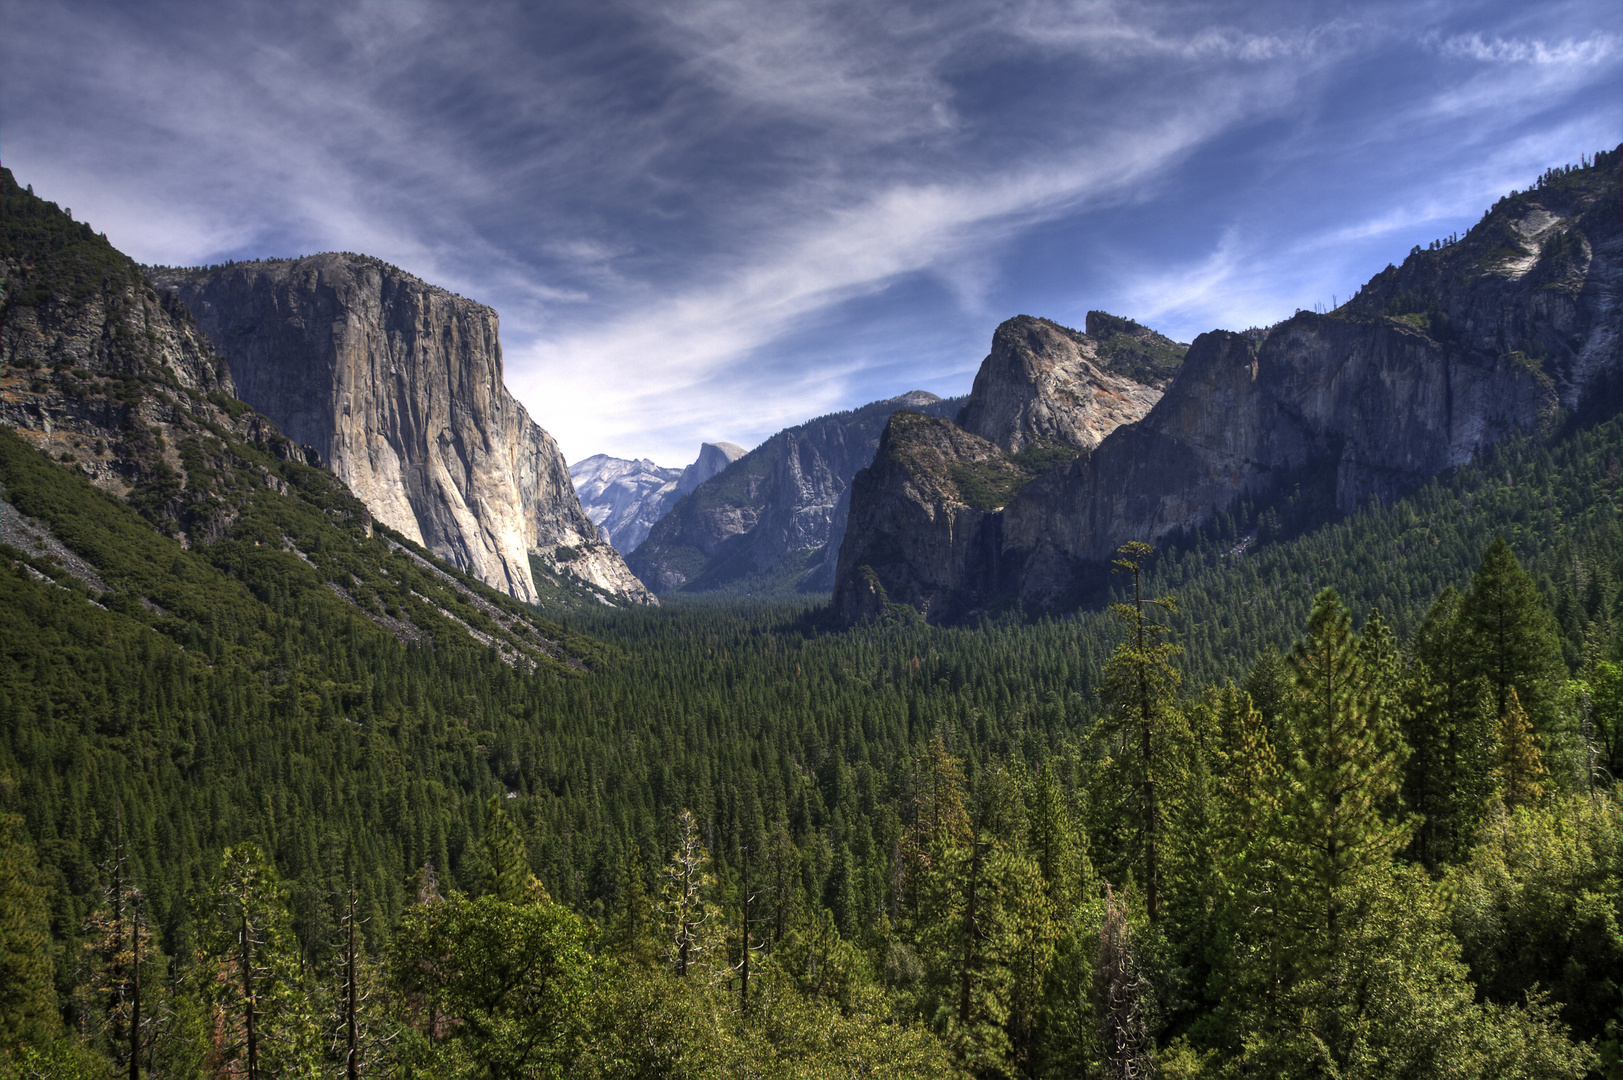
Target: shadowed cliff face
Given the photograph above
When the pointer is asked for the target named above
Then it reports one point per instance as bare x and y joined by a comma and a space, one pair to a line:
399, 385
1466, 345
914, 536
103, 373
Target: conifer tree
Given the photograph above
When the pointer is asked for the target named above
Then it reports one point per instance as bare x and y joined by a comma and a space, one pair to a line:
1120, 990
1245, 884
1511, 638
684, 904
359, 1037
1341, 773
985, 918
259, 1000
1268, 685
630, 929
27, 997
120, 969
1449, 726
506, 870
1518, 766
935, 815
1141, 713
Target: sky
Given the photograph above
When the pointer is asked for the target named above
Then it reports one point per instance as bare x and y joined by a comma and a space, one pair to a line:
711, 220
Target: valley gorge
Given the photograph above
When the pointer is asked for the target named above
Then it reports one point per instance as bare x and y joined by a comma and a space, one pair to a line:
772, 519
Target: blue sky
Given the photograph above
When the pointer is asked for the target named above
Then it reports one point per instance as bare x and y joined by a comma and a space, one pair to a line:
710, 220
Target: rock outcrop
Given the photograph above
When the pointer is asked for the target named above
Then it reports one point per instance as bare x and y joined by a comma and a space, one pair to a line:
1045, 382
398, 385
1469, 343
625, 498
773, 518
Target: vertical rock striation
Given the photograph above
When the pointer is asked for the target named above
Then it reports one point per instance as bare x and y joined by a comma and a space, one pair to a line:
399, 385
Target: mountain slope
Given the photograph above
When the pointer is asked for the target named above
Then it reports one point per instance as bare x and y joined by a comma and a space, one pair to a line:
772, 519
1468, 344
399, 385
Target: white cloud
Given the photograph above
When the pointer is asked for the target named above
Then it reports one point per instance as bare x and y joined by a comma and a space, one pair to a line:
1595, 49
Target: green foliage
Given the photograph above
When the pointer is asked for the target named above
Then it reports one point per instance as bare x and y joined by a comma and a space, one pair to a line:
990, 484
1539, 903
871, 781
1141, 724
27, 997
1511, 639
250, 969
1342, 768
510, 979
1135, 351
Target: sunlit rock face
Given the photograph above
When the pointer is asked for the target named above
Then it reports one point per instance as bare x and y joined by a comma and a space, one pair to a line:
399, 385
1045, 381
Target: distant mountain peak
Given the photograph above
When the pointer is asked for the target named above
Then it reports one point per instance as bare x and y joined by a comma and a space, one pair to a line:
627, 498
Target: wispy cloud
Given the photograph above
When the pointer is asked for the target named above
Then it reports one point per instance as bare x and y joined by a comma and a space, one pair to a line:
1597, 48
681, 209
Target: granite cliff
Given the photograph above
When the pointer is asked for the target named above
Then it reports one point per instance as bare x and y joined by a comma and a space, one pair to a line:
625, 498
398, 385
772, 520
1471, 341
1043, 381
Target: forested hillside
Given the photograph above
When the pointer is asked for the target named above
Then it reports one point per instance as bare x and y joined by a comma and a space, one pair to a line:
939, 844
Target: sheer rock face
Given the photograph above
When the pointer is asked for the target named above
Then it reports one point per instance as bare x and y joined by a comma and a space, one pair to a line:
1042, 381
784, 502
398, 384
713, 457
1467, 344
626, 498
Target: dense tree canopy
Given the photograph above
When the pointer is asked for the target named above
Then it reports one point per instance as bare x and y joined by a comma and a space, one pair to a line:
1384, 844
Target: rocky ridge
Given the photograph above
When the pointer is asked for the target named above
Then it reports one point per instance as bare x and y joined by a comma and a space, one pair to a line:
774, 517
1469, 342
625, 498
398, 385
